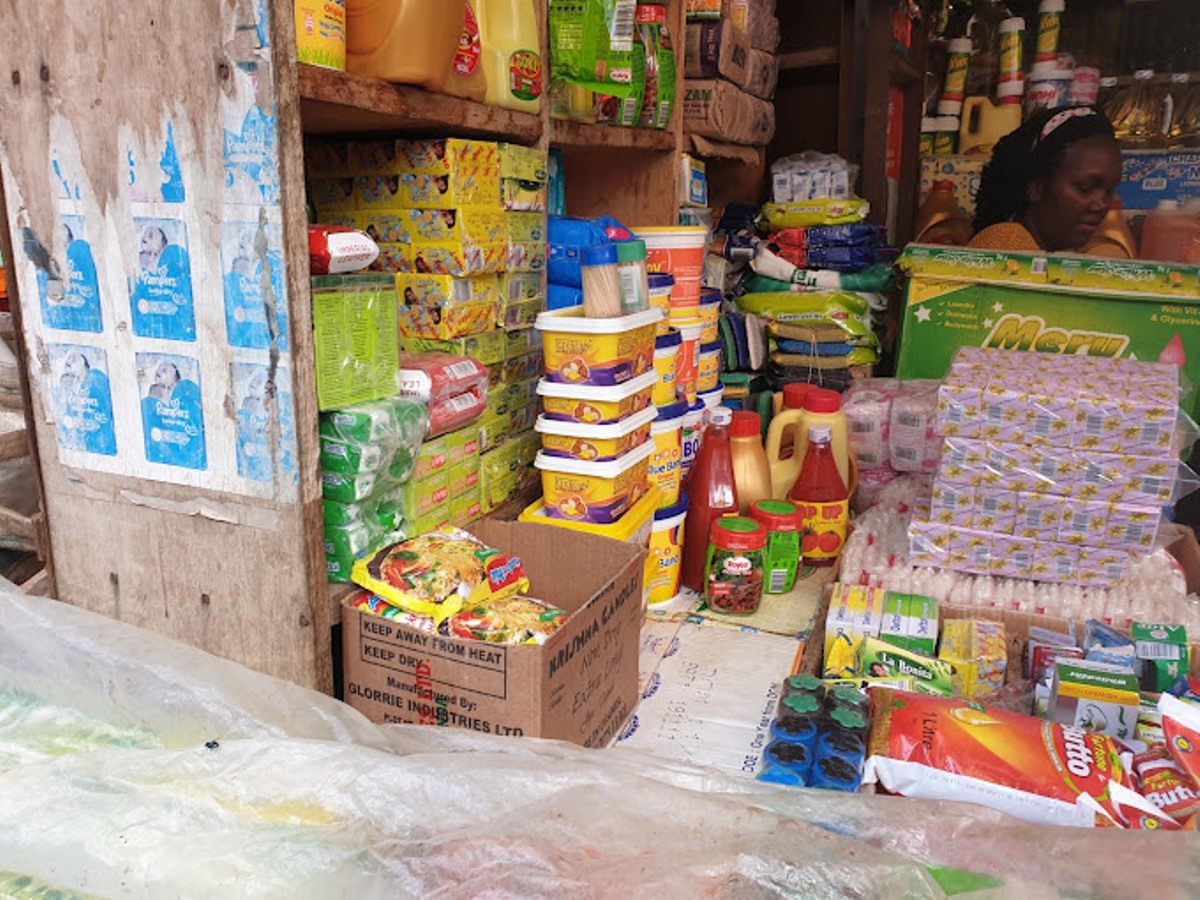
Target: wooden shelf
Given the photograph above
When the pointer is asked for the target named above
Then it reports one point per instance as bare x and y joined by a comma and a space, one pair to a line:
810, 59
333, 102
575, 134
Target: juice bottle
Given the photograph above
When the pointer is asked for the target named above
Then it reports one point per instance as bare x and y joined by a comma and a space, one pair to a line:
403, 41
509, 35
822, 497
782, 435
751, 471
1168, 232
712, 493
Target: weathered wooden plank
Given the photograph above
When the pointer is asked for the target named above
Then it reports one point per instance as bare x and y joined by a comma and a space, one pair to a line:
338, 103
152, 190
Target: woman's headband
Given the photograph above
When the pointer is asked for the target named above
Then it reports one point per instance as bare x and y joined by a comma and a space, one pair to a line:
1059, 119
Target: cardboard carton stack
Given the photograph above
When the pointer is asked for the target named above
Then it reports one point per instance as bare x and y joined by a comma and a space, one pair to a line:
1052, 469
731, 70
461, 226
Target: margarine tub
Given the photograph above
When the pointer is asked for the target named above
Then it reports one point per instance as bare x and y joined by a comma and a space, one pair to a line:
579, 350
708, 367
632, 528
711, 400
598, 492
666, 465
666, 362
595, 443
661, 284
596, 405
710, 314
666, 553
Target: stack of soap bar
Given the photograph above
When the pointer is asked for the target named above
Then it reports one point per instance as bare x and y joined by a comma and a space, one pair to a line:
1052, 468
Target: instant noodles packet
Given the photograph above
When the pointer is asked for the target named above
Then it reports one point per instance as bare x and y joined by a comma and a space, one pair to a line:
506, 620
933, 748
436, 574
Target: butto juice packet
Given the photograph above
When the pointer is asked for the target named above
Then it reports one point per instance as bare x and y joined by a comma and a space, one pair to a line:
435, 574
933, 748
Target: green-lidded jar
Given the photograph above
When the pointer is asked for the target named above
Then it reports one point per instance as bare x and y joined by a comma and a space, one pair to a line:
800, 705
845, 696
733, 573
803, 684
849, 720
785, 525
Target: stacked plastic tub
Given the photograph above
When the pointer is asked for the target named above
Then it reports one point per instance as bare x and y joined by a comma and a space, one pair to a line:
602, 468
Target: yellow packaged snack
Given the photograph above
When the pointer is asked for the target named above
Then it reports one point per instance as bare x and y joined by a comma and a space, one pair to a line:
435, 574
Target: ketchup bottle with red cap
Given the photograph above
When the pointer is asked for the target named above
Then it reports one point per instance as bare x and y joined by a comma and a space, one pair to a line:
823, 499
712, 493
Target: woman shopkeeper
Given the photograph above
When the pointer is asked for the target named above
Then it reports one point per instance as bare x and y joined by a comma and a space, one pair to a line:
1049, 184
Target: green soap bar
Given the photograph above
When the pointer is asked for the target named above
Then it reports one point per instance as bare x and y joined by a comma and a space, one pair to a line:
396, 421
349, 488
346, 458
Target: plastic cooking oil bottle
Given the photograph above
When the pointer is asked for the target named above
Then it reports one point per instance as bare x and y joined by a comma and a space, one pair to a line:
466, 76
508, 32
403, 41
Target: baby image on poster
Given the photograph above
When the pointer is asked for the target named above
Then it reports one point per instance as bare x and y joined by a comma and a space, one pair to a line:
242, 265
82, 398
172, 415
70, 293
162, 291
255, 399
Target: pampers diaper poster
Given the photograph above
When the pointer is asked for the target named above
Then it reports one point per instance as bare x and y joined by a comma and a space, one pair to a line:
68, 290
253, 396
172, 415
161, 295
252, 261
83, 410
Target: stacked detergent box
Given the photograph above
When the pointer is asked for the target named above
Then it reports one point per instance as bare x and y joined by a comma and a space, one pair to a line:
1052, 468
462, 225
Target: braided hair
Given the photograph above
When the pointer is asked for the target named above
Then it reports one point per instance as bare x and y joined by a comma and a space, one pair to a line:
1032, 151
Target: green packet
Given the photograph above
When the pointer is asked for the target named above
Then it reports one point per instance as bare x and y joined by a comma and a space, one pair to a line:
342, 541
593, 41
659, 94
346, 458
878, 659
385, 513
843, 310
397, 421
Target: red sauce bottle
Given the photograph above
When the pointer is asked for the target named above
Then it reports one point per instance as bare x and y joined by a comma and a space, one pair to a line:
711, 494
823, 500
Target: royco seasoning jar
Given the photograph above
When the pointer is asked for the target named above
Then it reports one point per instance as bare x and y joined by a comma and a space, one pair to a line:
733, 576
784, 524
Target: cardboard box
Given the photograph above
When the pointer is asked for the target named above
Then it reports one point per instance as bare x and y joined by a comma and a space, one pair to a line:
1148, 176
854, 613
1163, 650
432, 457
979, 654
445, 307
580, 686
487, 348
964, 171
693, 181
717, 109
958, 297
717, 49
1095, 697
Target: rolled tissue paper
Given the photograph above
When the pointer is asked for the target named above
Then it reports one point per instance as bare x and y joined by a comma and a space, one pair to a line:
913, 441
